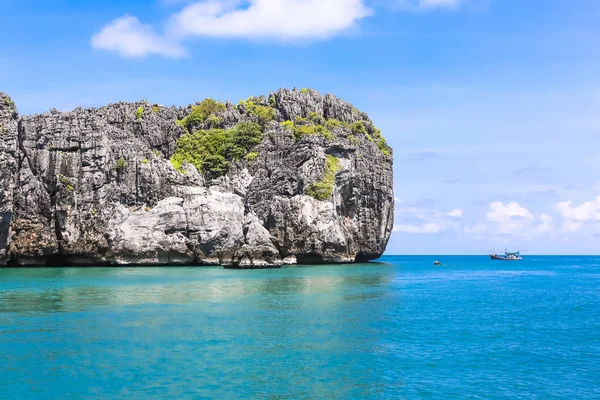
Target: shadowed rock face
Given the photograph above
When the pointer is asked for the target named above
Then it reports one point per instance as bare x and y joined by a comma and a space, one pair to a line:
96, 186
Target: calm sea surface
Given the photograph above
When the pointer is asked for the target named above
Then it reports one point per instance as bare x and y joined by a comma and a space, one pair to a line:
471, 328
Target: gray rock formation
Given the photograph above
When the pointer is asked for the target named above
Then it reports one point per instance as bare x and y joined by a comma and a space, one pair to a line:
96, 186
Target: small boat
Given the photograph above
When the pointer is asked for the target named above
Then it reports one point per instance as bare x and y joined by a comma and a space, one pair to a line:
436, 263
508, 256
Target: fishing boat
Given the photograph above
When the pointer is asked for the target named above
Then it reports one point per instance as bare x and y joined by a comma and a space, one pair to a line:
508, 256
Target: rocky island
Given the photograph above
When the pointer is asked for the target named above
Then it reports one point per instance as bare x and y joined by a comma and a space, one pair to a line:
293, 177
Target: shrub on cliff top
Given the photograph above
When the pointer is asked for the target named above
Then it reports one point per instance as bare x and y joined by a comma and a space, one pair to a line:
201, 112
301, 130
324, 189
265, 114
139, 112
213, 150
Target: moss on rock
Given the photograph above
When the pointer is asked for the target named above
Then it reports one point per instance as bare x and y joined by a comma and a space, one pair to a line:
323, 190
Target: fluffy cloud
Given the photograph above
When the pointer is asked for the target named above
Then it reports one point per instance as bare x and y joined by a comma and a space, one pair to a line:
273, 20
511, 219
456, 213
269, 19
422, 220
545, 226
504, 213
130, 38
420, 229
576, 216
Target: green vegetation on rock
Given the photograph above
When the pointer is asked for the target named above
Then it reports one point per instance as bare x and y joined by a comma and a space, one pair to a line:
301, 130
139, 112
335, 123
324, 189
8, 101
358, 128
316, 118
265, 114
121, 164
214, 121
306, 126
304, 90
353, 140
251, 156
200, 113
288, 125
155, 108
157, 153
213, 150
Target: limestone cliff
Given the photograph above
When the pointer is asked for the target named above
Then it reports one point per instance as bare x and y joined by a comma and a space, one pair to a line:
292, 177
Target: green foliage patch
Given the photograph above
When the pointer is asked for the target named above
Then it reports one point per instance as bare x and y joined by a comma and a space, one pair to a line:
272, 101
335, 123
306, 126
213, 150
324, 189
288, 125
200, 113
121, 164
265, 114
139, 112
301, 130
304, 90
8, 102
214, 121
316, 118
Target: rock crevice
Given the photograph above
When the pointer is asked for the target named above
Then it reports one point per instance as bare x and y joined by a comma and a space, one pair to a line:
97, 186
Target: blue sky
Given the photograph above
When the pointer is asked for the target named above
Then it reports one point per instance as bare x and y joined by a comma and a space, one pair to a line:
492, 106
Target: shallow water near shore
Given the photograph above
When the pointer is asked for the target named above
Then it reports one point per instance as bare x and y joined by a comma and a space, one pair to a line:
398, 328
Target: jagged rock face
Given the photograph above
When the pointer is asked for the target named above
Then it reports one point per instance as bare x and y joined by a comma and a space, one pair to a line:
96, 186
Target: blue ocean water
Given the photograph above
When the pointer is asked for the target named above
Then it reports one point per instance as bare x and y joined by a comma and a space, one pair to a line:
471, 328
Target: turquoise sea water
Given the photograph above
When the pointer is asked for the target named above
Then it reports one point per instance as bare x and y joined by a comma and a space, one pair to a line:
402, 328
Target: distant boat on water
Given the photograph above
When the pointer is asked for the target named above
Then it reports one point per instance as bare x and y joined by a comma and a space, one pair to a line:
508, 256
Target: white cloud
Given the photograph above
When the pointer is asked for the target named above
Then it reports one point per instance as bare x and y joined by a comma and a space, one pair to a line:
420, 229
545, 226
439, 3
130, 38
502, 213
576, 216
456, 213
590, 210
269, 20
423, 220
511, 219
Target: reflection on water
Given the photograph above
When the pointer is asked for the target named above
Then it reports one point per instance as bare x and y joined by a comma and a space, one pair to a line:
78, 289
400, 329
